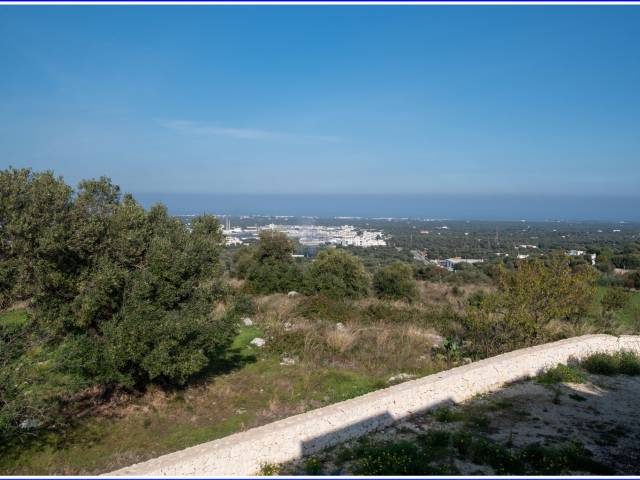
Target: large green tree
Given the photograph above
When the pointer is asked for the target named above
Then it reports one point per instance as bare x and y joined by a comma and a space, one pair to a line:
119, 295
337, 274
271, 267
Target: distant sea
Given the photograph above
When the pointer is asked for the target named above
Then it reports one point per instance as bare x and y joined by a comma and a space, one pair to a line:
453, 207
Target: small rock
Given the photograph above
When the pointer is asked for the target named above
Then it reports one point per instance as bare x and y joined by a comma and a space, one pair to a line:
466, 360
247, 321
287, 326
339, 326
29, 424
287, 361
258, 342
240, 411
292, 293
400, 377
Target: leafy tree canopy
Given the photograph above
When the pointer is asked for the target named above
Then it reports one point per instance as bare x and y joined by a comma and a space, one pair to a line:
395, 281
120, 295
269, 266
338, 274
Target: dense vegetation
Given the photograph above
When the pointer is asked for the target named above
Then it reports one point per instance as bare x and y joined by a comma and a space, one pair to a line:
268, 266
395, 281
119, 296
102, 299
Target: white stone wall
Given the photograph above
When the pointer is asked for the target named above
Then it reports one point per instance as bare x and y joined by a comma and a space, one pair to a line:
244, 453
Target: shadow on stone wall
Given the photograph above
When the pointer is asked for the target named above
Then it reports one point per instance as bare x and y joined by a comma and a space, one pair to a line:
359, 429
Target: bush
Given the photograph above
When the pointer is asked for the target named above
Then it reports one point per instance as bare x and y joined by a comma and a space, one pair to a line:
429, 272
527, 301
447, 414
396, 282
561, 374
626, 363
313, 466
615, 299
337, 274
632, 280
271, 267
243, 260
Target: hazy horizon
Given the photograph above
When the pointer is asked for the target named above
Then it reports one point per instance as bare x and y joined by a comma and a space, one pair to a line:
453, 207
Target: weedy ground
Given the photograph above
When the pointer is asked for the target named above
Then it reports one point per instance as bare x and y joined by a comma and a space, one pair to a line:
569, 420
308, 361
318, 351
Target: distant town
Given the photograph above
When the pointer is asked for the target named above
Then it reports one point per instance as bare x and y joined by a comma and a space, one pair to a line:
308, 235
447, 244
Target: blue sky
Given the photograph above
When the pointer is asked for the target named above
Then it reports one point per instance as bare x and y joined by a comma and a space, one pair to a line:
411, 100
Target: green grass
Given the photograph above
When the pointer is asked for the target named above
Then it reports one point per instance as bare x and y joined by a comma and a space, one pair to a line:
630, 314
242, 342
432, 454
270, 470
625, 363
254, 390
448, 415
396, 458
14, 317
561, 374
628, 318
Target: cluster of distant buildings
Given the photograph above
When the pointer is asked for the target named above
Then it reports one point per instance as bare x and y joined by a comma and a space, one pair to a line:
450, 263
309, 235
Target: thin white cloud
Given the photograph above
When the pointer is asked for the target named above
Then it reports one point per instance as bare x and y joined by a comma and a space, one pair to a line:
195, 128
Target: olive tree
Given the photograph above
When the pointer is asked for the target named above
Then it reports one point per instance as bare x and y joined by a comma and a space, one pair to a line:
337, 274
271, 267
395, 281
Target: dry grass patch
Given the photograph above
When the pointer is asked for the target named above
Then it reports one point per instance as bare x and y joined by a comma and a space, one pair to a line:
278, 304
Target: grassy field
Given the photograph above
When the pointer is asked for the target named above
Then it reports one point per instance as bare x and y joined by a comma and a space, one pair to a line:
309, 360
14, 317
256, 390
627, 320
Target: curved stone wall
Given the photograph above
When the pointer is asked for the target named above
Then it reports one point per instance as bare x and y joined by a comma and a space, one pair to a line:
244, 453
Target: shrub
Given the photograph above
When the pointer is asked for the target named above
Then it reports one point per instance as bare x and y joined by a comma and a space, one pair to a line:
528, 300
447, 414
337, 274
626, 363
243, 260
632, 280
313, 466
429, 272
270, 469
324, 307
615, 299
395, 281
561, 374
